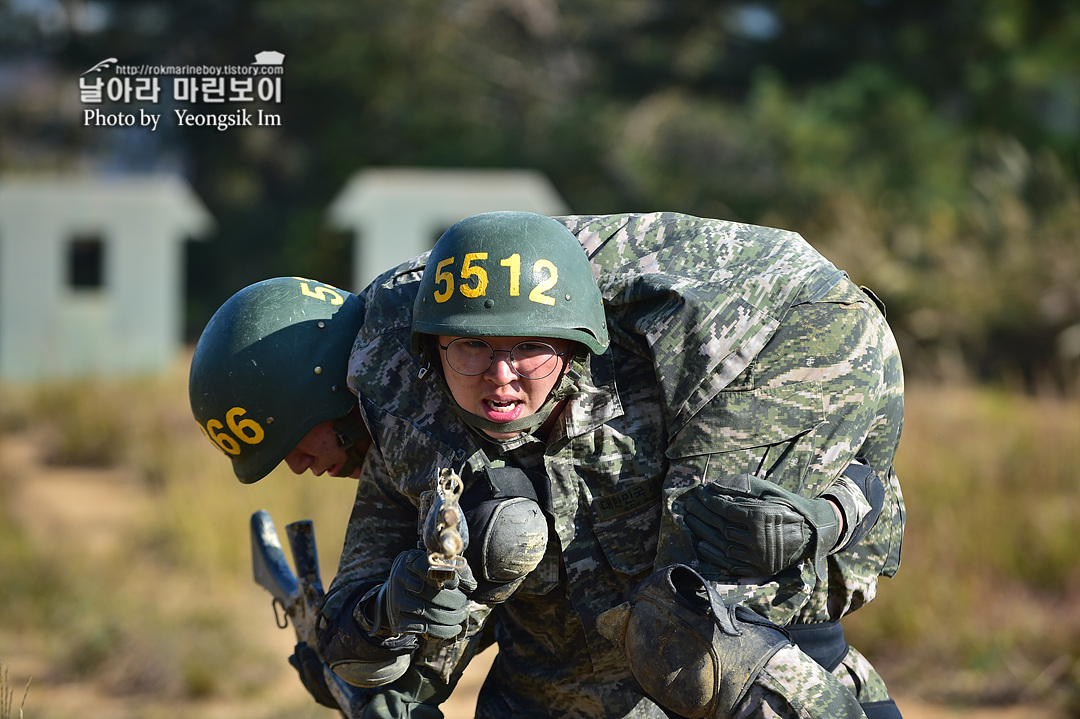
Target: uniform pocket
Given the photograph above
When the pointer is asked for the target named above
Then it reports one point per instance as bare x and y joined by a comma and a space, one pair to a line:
627, 524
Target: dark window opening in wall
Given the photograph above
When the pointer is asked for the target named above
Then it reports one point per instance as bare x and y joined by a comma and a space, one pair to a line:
86, 262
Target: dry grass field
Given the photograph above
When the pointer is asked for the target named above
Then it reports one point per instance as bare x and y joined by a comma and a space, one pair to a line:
126, 592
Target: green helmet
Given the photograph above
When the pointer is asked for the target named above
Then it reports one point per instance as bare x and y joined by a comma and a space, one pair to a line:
271, 365
510, 274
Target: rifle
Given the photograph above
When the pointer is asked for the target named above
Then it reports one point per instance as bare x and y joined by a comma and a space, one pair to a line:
442, 526
297, 597
445, 535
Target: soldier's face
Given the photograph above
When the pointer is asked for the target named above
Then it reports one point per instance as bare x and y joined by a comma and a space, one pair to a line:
320, 452
500, 394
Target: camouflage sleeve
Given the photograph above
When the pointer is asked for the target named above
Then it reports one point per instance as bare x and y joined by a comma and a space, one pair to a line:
793, 685
382, 525
809, 403
700, 297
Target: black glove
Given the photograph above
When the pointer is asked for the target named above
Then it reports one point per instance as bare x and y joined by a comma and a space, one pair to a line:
410, 603
760, 529
869, 483
310, 668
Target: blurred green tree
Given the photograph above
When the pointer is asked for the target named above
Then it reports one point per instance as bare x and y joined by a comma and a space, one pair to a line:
930, 148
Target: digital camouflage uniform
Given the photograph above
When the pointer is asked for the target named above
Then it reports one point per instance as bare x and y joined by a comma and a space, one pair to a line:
735, 349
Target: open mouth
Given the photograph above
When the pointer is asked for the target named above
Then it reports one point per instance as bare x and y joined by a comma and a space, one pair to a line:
502, 408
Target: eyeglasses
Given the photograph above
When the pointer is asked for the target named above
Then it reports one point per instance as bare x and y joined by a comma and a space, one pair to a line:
471, 356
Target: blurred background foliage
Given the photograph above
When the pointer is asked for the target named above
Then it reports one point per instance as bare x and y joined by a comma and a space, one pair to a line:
930, 148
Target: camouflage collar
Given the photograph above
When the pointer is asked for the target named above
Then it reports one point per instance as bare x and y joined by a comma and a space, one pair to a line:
596, 401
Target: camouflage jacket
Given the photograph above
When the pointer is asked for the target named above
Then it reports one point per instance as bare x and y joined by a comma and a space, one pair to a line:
690, 304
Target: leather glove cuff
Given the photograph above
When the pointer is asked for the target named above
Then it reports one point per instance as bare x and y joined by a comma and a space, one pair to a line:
354, 655
821, 515
863, 476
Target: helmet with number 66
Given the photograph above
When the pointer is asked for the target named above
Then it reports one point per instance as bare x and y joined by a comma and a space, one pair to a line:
510, 274
269, 366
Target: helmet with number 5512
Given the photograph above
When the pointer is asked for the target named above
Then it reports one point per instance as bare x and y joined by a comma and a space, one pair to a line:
269, 366
510, 274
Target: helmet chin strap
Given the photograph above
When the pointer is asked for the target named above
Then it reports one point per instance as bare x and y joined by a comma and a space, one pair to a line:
351, 431
521, 424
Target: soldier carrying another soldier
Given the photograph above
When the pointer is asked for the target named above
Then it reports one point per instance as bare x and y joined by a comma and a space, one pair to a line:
709, 461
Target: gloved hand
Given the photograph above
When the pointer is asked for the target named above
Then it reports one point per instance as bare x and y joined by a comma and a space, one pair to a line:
761, 530
410, 603
391, 704
307, 664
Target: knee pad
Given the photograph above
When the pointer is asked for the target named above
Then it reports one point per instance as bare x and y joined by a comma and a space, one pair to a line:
691, 653
508, 538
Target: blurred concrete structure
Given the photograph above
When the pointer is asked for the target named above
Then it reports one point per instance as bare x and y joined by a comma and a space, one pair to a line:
91, 273
397, 213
